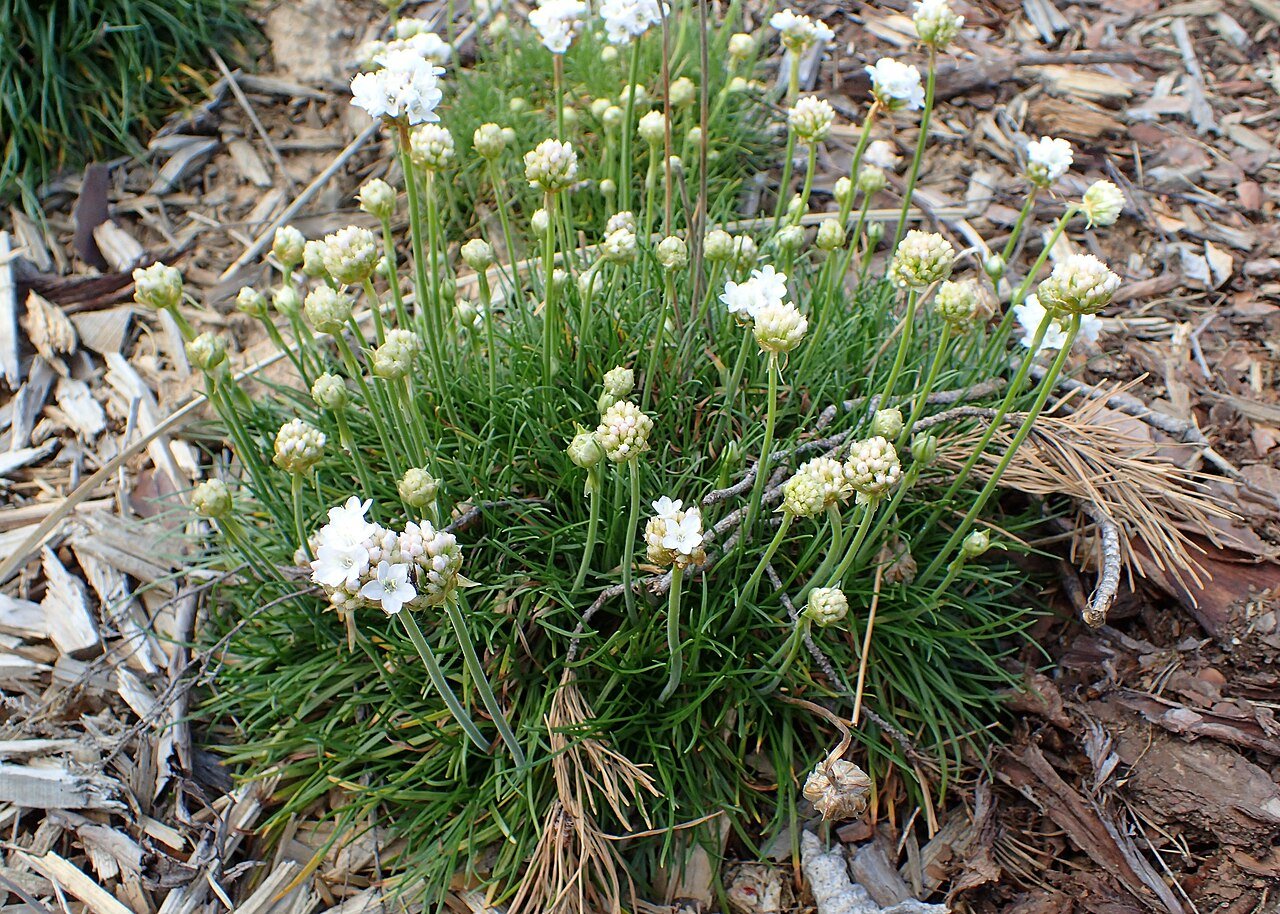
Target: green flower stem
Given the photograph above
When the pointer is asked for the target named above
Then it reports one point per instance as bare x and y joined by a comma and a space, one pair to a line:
650, 190
437, 319
793, 79
370, 403
904, 343
417, 427
908, 192
762, 465
629, 548
752, 582
437, 679
397, 296
675, 665
1018, 226
922, 396
834, 552
585, 313
864, 526
593, 525
379, 331
877, 531
864, 138
348, 442
557, 79
628, 127
731, 389
299, 528
549, 307
1000, 338
500, 201
655, 347
699, 316
274, 333
1010, 395
184, 327
837, 528
786, 655
486, 301
253, 555
1042, 395
306, 346
420, 285
807, 187
472, 662
784, 185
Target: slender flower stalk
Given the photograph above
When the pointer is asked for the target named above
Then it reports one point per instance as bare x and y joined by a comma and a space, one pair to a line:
762, 465
557, 78
859, 536
749, 589
593, 528
864, 137
629, 546
549, 289
436, 675
628, 127
908, 192
940, 351
675, 662
907, 328
453, 610
1001, 337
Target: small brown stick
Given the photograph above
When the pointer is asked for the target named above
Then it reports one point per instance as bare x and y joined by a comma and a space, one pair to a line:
866, 645
472, 516
1104, 593
243, 101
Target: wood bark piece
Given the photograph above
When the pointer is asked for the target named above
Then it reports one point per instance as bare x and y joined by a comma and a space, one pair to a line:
10, 363
23, 618
83, 413
55, 787
68, 876
48, 329
71, 625
122, 251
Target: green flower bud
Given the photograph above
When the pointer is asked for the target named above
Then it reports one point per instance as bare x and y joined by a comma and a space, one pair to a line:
158, 286
329, 392
887, 423
976, 543
211, 498
207, 351
477, 254
327, 309
251, 302
924, 448
826, 606
417, 487
377, 198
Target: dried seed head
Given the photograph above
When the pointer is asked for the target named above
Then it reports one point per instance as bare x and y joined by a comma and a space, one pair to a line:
838, 789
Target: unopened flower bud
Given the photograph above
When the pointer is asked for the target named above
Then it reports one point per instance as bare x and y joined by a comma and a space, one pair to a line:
431, 146
518, 105
299, 447
683, 92
207, 351
327, 309
329, 391
810, 118
993, 265
826, 606
477, 254
830, 235
508, 135
608, 54
251, 302
1079, 284
875, 232
598, 107
871, 180
922, 259
924, 448
540, 221
417, 487
350, 254
976, 543
936, 23
673, 253
377, 198
745, 252
789, 238
741, 46
1102, 203
286, 301
957, 304
585, 449
551, 166
211, 498
287, 246
843, 191
560, 279
624, 431
694, 136
158, 286
718, 246
489, 141
612, 117
608, 187
872, 468
652, 128
780, 327
887, 423
313, 259
618, 382
570, 116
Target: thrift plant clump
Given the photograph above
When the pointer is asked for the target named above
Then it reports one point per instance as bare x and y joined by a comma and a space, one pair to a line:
578, 465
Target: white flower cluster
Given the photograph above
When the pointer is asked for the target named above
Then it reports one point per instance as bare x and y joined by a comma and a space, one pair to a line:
350, 254
626, 20
551, 165
1031, 313
896, 85
811, 118
1047, 160
157, 286
1102, 203
624, 431
817, 485
431, 146
557, 22
299, 447
922, 258
360, 563
798, 31
405, 87
936, 23
673, 536
766, 287
873, 468
1079, 284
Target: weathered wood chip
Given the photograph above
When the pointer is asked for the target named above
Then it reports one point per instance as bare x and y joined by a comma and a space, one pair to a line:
48, 329
84, 414
122, 251
71, 625
56, 787
10, 364
67, 875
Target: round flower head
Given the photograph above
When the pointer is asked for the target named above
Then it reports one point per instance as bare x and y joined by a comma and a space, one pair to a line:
329, 391
1079, 284
327, 309
1047, 160
871, 179
624, 431
802, 495
683, 92
612, 117
626, 20
924, 448
552, 165
936, 23
652, 128
299, 447
395, 357
431, 146
313, 260
377, 198
789, 238
673, 536
842, 191
426, 44
922, 259
287, 246
417, 487
285, 301
896, 85
436, 560
799, 32
619, 246
741, 46
477, 254
157, 286
826, 606
882, 154
585, 449
828, 473
1030, 314
872, 468
887, 423
211, 498
976, 543
625, 219
350, 254
957, 303
811, 118
994, 266
557, 22
745, 252
780, 328
207, 351
405, 88
830, 236
619, 381
489, 141
1102, 203
251, 302
540, 221
717, 246
673, 253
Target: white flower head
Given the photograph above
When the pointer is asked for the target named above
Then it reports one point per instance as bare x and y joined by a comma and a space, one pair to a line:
1079, 284
1031, 313
881, 154
350, 254
624, 431
873, 468
551, 165
896, 85
673, 536
626, 20
340, 566
798, 31
922, 258
426, 44
936, 23
431, 146
811, 118
780, 327
1047, 160
557, 22
299, 447
1102, 204
406, 87
766, 287
390, 588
